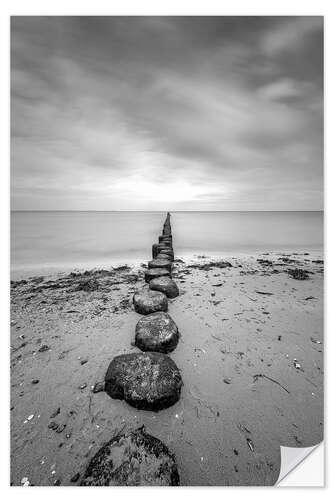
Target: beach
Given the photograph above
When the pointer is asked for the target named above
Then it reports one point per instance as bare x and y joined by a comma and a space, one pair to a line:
250, 354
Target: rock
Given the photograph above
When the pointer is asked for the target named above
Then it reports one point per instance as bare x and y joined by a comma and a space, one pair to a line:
149, 301
55, 413
166, 285
154, 250
164, 256
43, 348
84, 361
132, 459
35, 381
165, 244
163, 238
98, 387
147, 381
53, 425
156, 332
161, 263
167, 251
75, 478
155, 273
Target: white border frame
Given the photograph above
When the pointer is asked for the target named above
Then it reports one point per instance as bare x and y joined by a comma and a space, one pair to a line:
143, 7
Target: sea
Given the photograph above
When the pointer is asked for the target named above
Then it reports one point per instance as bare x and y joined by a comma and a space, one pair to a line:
43, 241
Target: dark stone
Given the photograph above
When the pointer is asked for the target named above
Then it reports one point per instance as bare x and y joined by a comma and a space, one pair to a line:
147, 381
55, 413
164, 256
165, 244
154, 250
132, 459
156, 273
44, 348
166, 285
166, 251
150, 301
75, 478
156, 332
163, 238
161, 263
98, 387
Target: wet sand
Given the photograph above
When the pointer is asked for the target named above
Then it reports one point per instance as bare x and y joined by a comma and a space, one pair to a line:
250, 354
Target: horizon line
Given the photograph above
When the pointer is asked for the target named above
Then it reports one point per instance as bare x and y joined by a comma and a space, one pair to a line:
166, 210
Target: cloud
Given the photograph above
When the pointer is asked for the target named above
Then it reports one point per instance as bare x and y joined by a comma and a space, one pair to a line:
158, 113
290, 35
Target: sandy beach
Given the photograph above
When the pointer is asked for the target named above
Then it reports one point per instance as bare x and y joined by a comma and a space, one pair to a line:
250, 353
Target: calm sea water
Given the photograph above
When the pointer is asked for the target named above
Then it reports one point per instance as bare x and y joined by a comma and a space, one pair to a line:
87, 239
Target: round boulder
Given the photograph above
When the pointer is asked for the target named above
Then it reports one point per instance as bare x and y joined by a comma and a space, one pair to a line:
166, 285
156, 332
149, 301
161, 263
132, 459
147, 381
155, 273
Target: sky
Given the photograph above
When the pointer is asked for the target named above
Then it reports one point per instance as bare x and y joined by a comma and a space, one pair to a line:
166, 113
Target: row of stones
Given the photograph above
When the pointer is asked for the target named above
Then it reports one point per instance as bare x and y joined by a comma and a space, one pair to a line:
147, 381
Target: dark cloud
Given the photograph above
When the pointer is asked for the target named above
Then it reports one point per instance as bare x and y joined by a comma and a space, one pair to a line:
167, 112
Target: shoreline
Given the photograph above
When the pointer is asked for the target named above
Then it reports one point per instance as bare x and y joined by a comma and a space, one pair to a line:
241, 327
52, 270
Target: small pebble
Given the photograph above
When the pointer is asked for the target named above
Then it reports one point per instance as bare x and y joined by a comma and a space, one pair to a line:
60, 428
35, 381
43, 348
55, 413
75, 477
98, 387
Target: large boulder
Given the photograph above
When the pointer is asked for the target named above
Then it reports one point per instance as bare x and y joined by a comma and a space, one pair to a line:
156, 332
149, 301
147, 381
156, 273
132, 459
161, 263
166, 285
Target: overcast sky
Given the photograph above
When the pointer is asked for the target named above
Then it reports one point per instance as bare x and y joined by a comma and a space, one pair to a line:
162, 113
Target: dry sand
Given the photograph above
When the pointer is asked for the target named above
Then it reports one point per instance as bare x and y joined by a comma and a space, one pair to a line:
243, 396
